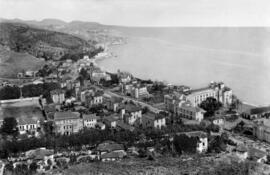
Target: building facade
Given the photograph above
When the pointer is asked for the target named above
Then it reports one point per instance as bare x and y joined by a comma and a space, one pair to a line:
67, 123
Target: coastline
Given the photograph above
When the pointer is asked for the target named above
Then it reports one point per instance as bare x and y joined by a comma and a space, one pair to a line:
113, 55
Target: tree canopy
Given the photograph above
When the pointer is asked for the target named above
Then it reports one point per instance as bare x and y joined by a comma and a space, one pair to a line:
210, 105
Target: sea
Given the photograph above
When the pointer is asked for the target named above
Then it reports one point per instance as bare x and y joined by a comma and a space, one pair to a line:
194, 56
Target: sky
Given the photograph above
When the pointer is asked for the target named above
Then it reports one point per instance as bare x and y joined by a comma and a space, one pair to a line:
144, 12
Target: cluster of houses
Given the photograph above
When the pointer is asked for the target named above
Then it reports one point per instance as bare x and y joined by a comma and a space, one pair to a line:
130, 86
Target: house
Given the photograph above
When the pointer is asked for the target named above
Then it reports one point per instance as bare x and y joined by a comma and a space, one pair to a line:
100, 126
112, 156
109, 146
124, 77
172, 101
98, 74
112, 103
90, 120
241, 152
111, 121
186, 110
94, 99
84, 93
67, 123
28, 125
257, 155
131, 114
58, 96
202, 144
261, 129
151, 120
139, 91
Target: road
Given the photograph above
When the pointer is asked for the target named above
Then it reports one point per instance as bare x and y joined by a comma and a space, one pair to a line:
150, 107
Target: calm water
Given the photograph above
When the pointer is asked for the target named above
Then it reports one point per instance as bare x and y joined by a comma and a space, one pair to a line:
240, 57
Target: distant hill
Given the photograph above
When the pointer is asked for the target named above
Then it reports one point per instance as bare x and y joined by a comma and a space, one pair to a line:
39, 42
93, 32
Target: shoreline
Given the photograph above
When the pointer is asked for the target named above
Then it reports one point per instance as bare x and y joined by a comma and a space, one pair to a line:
112, 55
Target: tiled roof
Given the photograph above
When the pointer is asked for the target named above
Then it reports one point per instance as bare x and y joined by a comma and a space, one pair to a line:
132, 108
153, 116
109, 146
26, 121
200, 90
57, 91
113, 155
90, 116
122, 125
66, 115
199, 134
256, 154
241, 148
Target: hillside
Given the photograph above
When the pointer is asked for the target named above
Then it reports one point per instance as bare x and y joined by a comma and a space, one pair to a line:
38, 42
91, 31
12, 62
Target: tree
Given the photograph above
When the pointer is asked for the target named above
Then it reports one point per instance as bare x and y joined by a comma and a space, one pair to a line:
183, 143
9, 126
33, 167
210, 105
9, 92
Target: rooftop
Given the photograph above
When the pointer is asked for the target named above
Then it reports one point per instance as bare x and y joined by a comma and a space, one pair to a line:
57, 91
260, 110
109, 146
25, 121
153, 116
200, 90
199, 134
124, 126
90, 116
66, 115
132, 108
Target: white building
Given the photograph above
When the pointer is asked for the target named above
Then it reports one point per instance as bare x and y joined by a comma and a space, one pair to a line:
58, 96
186, 110
28, 125
90, 120
151, 120
131, 114
202, 144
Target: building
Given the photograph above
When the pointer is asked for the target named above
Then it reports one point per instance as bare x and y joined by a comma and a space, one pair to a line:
241, 152
109, 146
28, 125
186, 110
124, 77
98, 75
202, 144
123, 126
151, 120
111, 121
112, 103
67, 123
90, 120
131, 114
216, 90
58, 96
94, 99
259, 112
100, 126
139, 92
257, 155
172, 101
261, 129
